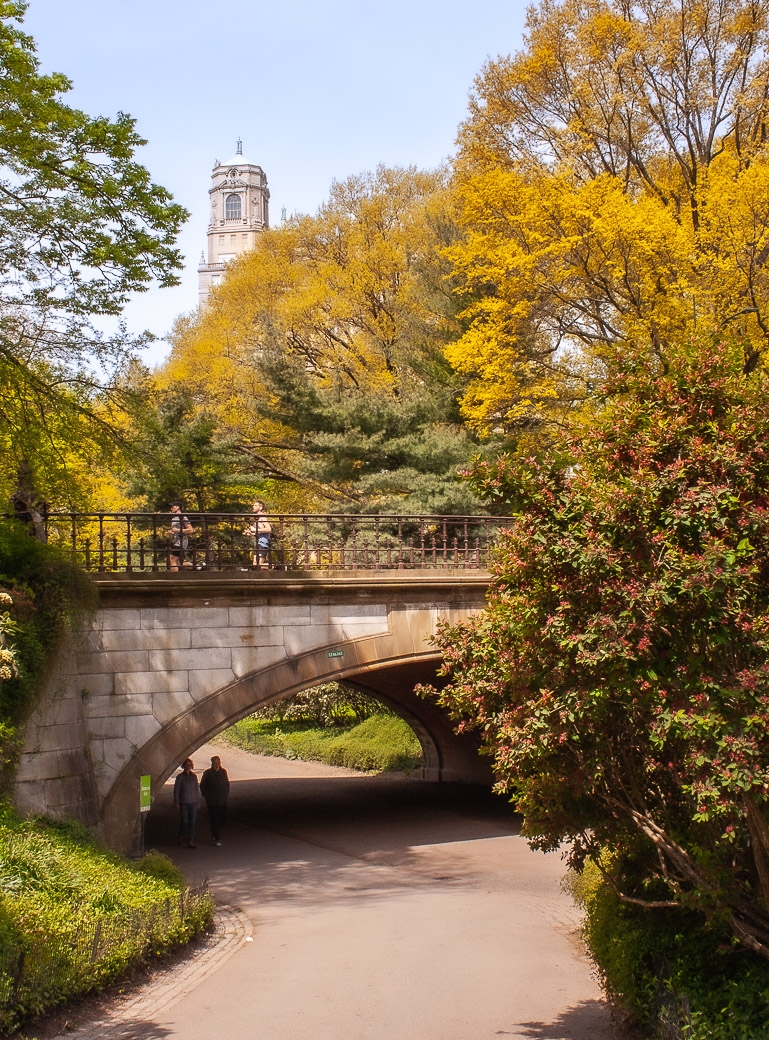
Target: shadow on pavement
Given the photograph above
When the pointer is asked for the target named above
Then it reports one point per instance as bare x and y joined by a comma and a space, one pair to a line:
380, 812
359, 828
583, 1021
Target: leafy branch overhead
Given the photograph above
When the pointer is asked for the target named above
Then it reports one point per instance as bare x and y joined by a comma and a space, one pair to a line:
82, 226
612, 189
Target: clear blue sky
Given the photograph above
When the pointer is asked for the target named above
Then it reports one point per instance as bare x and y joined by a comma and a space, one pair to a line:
316, 90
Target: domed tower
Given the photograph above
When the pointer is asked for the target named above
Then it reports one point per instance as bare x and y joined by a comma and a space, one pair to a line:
240, 202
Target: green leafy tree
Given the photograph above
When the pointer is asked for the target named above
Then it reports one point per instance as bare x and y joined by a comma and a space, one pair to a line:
373, 451
619, 675
82, 226
176, 453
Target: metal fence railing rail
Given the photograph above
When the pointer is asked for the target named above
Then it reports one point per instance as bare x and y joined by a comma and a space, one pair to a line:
148, 543
36, 974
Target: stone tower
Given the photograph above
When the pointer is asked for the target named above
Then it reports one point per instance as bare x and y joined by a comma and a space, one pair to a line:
240, 202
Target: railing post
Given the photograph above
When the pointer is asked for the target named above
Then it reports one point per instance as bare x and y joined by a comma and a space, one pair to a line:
101, 542
155, 567
128, 550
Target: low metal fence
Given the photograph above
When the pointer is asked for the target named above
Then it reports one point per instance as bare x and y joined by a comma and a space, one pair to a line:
147, 542
36, 974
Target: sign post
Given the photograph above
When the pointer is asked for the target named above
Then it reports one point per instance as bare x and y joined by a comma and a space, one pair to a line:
145, 804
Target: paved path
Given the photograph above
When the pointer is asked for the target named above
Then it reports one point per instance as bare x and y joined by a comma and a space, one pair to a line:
367, 908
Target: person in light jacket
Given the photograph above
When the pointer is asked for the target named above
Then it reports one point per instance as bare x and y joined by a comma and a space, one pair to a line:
186, 798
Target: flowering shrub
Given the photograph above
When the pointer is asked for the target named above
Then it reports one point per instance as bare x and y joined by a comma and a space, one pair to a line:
619, 675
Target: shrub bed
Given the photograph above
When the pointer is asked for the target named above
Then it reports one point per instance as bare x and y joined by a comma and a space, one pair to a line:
669, 971
74, 915
381, 743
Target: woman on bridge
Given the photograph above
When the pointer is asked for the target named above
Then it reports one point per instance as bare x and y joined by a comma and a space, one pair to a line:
261, 531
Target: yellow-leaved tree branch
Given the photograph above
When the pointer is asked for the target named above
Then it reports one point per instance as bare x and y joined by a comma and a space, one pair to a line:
613, 190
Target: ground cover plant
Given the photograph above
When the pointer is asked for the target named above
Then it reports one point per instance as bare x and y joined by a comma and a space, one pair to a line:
331, 723
74, 916
42, 592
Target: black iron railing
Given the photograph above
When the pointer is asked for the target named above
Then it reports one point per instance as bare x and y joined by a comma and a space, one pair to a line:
148, 542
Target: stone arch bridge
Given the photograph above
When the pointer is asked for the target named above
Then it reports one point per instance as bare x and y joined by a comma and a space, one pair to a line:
168, 660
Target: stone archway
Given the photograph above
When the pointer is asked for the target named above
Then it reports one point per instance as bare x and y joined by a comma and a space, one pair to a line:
391, 679
163, 665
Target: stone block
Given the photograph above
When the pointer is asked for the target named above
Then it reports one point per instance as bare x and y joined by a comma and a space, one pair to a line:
118, 618
299, 641
137, 683
184, 617
35, 766
26, 797
74, 798
260, 616
146, 639
194, 660
71, 763
141, 728
97, 684
362, 630
115, 661
251, 659
119, 704
117, 752
234, 637
207, 681
68, 711
155, 760
326, 614
168, 706
107, 769
413, 629
213, 715
56, 738
106, 727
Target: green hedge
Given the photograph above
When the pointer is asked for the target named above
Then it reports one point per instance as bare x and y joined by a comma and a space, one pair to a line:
74, 915
380, 743
671, 972
47, 590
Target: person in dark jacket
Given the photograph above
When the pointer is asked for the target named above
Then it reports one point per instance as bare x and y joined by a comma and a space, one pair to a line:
186, 798
215, 788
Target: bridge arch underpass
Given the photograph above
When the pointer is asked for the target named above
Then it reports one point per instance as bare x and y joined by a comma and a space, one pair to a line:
165, 665
446, 756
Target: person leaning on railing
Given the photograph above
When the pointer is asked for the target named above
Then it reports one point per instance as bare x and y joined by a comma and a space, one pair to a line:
261, 531
181, 529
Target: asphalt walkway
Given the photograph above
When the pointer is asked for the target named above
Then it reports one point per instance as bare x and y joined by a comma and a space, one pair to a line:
365, 908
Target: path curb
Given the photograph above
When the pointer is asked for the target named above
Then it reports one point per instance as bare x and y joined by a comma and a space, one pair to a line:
167, 985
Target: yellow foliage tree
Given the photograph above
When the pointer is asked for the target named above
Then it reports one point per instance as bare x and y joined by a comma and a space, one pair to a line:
347, 306
613, 186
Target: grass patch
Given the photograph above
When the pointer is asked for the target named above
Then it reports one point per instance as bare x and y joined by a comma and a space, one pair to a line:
74, 916
380, 743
